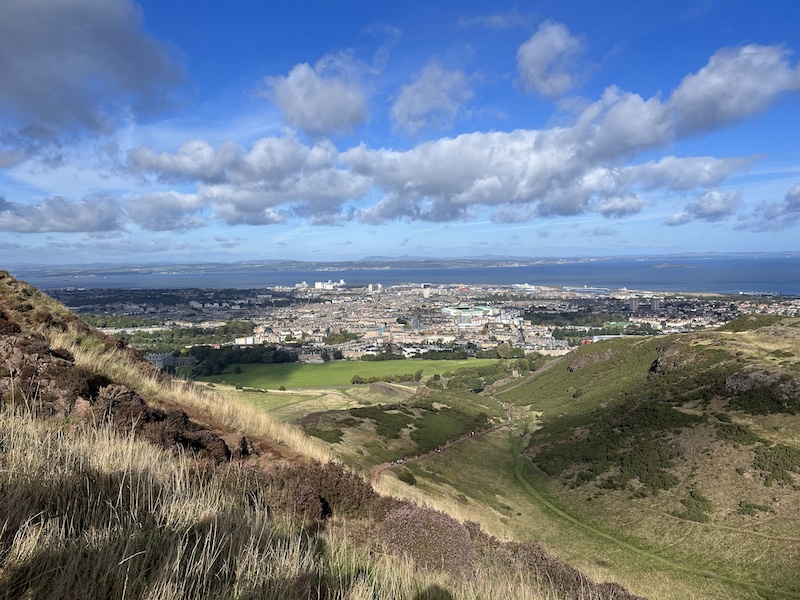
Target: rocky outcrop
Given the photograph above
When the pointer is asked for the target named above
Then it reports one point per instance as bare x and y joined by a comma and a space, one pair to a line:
583, 359
47, 382
749, 378
758, 390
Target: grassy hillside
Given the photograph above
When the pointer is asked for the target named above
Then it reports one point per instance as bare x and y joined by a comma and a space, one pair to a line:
685, 446
118, 482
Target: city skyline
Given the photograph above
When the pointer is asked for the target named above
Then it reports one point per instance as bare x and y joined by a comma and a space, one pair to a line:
146, 132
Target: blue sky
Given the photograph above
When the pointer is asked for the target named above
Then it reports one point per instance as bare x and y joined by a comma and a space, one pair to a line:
184, 131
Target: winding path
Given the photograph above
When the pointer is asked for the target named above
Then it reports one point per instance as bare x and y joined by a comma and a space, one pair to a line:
375, 472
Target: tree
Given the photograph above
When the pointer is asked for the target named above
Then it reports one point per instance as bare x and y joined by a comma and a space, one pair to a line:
238, 370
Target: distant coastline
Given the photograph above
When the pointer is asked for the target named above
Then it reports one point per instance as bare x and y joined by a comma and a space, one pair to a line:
673, 266
774, 274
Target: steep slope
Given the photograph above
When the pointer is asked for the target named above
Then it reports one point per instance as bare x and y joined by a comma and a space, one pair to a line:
686, 446
118, 482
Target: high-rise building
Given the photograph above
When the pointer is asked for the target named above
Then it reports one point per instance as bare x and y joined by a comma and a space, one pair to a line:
655, 304
634, 304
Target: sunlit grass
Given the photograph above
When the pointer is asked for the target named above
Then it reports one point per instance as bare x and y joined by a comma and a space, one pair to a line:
333, 373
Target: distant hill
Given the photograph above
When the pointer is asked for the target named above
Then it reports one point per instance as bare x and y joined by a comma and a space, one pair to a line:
118, 481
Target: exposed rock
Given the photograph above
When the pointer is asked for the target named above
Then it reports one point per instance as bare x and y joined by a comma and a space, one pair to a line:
423, 392
759, 390
238, 445
48, 382
674, 357
81, 408
584, 359
749, 378
43, 379
130, 412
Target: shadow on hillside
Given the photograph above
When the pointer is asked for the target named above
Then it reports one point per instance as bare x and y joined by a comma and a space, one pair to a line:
434, 592
136, 557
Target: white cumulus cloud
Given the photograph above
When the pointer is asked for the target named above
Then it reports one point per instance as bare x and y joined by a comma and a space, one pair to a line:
735, 84
774, 216
711, 206
432, 99
324, 99
69, 67
569, 169
61, 215
166, 211
549, 62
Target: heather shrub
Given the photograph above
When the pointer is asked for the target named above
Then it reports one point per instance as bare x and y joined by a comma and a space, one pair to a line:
339, 491
63, 354
696, 508
565, 580
7, 326
434, 592
431, 538
407, 476
779, 463
78, 382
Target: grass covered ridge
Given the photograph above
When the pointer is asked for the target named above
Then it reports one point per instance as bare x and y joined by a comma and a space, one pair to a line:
672, 441
375, 433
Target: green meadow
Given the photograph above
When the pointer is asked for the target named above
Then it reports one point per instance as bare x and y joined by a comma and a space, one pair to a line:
333, 373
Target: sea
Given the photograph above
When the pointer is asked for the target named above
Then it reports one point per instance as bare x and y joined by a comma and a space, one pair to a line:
770, 275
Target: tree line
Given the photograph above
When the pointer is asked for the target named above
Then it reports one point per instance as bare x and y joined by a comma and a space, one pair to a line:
212, 361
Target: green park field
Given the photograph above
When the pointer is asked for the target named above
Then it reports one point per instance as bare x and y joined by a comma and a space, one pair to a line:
334, 373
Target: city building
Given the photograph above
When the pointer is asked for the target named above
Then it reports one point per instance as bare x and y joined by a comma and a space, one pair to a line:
161, 361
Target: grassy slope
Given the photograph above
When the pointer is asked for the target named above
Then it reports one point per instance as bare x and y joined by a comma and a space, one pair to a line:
489, 483
763, 549
334, 373
377, 427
